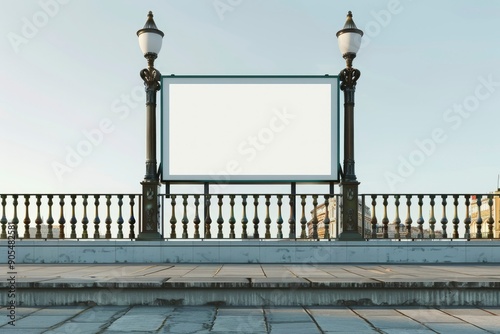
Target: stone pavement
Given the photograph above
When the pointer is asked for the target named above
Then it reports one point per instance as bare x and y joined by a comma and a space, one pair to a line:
251, 298
251, 320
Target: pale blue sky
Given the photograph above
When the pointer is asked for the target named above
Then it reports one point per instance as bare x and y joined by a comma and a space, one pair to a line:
429, 71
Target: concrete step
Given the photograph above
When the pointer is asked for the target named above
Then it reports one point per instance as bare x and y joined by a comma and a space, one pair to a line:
253, 285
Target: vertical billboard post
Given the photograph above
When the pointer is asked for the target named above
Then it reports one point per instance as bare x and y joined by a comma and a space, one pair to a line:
150, 39
349, 39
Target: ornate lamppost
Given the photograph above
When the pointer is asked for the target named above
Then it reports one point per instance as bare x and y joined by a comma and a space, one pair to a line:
150, 39
349, 39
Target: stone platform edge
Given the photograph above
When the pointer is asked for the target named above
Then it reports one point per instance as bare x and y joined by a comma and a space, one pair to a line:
249, 283
258, 297
251, 251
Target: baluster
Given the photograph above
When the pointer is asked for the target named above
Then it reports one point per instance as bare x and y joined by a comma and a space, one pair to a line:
97, 221
208, 219
385, 219
15, 220
362, 217
408, 219
62, 221
279, 221
455, 219
120, 220
444, 220
479, 222
467, 220
303, 219
220, 219
267, 220
108, 220
326, 221
374, 217
50, 219
244, 220
131, 220
173, 219
196, 219
491, 221
85, 219
420, 220
4, 220
291, 221
432, 218
185, 219
315, 218
397, 220
73, 220
255, 217
38, 220
232, 220
27, 219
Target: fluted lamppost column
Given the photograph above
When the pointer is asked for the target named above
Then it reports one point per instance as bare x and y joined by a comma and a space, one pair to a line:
150, 40
349, 39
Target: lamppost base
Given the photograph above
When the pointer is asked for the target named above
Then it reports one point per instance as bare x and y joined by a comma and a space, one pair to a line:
350, 236
150, 211
149, 236
350, 211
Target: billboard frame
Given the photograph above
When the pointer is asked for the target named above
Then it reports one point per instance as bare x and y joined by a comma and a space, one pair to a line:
333, 177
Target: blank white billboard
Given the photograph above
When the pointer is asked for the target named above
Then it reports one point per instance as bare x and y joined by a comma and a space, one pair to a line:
249, 128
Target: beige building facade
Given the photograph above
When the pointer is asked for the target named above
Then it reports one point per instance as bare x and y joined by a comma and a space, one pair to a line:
334, 216
485, 211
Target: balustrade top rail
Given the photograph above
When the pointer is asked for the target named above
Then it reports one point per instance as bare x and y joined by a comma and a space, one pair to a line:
251, 216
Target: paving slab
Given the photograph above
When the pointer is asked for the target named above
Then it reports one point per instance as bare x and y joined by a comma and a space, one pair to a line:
456, 328
491, 323
185, 327
394, 322
34, 321
492, 310
375, 311
22, 330
62, 310
200, 314
293, 328
333, 311
334, 324
77, 328
239, 324
99, 314
287, 315
137, 323
428, 315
